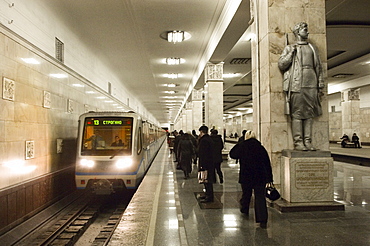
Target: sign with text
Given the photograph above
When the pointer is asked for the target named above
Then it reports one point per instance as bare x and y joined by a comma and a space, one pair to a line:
312, 175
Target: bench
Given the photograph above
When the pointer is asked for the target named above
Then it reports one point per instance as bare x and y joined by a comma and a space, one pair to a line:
348, 144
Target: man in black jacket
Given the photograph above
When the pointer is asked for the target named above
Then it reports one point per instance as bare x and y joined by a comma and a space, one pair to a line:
205, 155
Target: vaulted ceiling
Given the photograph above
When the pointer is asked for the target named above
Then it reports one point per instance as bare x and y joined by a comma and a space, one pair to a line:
125, 34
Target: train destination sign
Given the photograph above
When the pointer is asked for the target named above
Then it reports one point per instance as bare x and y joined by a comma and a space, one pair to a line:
108, 121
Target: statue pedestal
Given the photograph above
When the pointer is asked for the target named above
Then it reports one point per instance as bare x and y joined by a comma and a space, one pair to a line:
307, 181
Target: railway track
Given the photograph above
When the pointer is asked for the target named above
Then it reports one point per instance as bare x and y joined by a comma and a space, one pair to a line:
89, 220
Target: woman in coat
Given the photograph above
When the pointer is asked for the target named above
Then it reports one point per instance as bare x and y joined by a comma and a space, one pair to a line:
255, 172
186, 151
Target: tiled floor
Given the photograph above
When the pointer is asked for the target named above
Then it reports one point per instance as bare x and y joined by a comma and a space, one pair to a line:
179, 220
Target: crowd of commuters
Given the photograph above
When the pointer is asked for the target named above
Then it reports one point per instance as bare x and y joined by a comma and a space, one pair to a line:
206, 150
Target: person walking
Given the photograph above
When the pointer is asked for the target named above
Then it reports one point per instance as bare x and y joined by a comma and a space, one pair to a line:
218, 145
185, 154
205, 162
255, 172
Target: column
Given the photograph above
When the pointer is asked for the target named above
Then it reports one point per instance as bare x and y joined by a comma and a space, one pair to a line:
351, 112
189, 117
305, 176
183, 123
214, 96
197, 98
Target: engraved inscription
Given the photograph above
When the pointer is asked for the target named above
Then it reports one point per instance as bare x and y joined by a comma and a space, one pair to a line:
312, 175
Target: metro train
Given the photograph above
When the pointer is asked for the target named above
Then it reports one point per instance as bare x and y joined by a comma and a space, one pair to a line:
114, 150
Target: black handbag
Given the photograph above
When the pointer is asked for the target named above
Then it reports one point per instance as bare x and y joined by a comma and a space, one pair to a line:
271, 192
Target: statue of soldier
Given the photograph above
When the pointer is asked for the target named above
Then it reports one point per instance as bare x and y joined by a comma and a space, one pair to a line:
303, 84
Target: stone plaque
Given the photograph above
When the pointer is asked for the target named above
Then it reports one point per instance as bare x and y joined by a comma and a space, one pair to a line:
8, 89
312, 175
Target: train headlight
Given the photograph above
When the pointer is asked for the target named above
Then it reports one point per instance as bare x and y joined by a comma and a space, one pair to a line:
87, 163
125, 162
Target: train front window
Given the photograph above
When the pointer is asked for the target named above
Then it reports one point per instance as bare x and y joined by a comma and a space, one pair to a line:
107, 136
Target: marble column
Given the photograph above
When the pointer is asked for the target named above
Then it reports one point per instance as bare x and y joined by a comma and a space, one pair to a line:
197, 98
189, 117
272, 22
183, 123
214, 96
351, 112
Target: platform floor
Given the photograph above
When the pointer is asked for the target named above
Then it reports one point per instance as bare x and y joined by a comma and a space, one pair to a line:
165, 211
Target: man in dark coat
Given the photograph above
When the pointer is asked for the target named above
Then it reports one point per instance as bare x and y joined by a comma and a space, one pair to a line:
255, 172
205, 162
218, 145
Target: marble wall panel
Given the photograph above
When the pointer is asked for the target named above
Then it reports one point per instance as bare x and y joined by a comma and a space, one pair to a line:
277, 107
276, 78
316, 20
264, 81
265, 111
294, 14
279, 136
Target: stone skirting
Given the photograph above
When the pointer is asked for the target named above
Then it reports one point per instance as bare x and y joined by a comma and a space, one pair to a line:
24, 200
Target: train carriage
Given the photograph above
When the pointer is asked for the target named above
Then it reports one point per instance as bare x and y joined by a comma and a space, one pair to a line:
114, 150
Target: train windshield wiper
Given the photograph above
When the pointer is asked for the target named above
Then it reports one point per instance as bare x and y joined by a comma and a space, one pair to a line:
116, 153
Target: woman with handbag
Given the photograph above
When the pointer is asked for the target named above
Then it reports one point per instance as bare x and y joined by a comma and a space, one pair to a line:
255, 172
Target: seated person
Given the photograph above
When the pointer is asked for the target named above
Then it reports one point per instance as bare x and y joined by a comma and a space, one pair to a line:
117, 142
345, 140
356, 140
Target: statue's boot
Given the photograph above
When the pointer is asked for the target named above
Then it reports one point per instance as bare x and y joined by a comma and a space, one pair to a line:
307, 127
297, 131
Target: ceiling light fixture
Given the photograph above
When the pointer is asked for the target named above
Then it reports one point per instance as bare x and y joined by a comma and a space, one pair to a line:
173, 60
59, 75
171, 85
170, 92
78, 85
172, 75
175, 36
30, 60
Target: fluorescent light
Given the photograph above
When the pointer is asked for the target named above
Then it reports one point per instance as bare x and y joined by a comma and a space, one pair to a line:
170, 92
78, 85
172, 75
170, 97
90, 92
30, 60
171, 85
230, 75
59, 75
100, 97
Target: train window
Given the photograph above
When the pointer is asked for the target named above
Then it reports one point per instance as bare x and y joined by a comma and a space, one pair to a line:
107, 136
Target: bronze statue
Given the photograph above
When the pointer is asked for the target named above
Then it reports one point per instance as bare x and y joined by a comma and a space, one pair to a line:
303, 84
